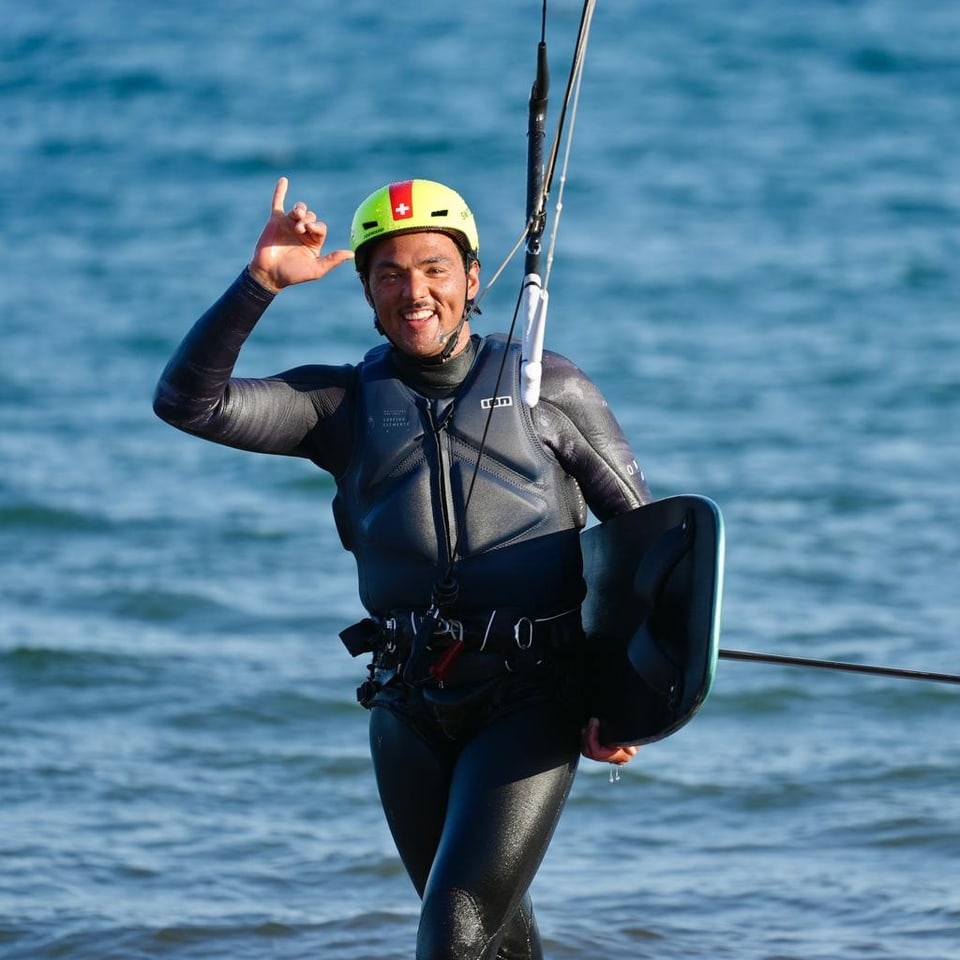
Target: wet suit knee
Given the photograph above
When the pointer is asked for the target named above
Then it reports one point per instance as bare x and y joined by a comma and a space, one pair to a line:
452, 927
521, 938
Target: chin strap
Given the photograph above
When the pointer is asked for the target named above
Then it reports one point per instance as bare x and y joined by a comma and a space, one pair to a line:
451, 339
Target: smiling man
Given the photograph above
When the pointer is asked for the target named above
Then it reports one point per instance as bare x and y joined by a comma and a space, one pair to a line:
462, 507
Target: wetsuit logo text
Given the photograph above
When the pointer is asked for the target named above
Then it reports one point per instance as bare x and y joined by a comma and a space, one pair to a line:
394, 419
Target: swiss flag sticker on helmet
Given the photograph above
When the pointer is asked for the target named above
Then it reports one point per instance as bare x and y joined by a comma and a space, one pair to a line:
401, 200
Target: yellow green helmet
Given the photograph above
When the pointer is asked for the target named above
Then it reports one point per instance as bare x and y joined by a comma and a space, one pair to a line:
410, 206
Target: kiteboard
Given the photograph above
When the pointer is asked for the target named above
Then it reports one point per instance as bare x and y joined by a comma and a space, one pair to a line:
652, 616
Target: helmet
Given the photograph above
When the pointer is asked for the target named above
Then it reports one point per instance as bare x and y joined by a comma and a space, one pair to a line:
410, 206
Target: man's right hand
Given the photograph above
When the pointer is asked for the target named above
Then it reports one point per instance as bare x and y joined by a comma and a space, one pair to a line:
290, 247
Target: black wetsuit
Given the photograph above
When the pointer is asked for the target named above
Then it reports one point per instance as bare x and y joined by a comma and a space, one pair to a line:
472, 775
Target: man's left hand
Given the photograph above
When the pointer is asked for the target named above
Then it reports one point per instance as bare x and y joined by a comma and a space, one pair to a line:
593, 749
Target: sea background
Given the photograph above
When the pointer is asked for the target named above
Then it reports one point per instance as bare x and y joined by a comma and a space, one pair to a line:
757, 261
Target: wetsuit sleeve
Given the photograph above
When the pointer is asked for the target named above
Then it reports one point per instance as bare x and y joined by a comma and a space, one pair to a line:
302, 412
576, 423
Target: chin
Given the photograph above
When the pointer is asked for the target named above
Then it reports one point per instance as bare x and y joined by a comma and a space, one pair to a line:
422, 343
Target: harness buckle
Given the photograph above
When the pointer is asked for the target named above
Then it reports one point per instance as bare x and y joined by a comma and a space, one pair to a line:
523, 633
389, 630
441, 668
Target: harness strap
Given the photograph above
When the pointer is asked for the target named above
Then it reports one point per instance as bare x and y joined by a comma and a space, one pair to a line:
461, 649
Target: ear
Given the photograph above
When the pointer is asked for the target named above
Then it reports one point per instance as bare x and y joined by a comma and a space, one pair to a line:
366, 289
473, 279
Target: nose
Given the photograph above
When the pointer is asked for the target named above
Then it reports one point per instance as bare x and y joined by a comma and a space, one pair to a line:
417, 287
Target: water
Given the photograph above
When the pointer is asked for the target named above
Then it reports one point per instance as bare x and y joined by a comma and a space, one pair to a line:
757, 263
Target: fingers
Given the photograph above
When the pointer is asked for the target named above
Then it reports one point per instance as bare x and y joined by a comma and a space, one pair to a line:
593, 749
335, 258
299, 212
623, 755
280, 194
304, 219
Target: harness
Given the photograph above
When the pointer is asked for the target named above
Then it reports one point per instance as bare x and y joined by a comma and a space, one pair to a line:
432, 652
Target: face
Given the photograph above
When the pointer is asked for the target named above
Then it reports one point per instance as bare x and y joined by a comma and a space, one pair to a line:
418, 287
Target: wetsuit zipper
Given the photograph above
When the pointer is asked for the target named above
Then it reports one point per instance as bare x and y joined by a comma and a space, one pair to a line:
438, 422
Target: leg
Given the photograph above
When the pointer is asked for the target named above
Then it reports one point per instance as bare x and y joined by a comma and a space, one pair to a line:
508, 788
413, 778
521, 938
415, 817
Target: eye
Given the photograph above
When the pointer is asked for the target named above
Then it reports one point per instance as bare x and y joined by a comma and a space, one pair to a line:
437, 269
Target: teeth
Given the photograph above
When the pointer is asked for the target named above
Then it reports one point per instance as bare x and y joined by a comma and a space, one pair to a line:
418, 315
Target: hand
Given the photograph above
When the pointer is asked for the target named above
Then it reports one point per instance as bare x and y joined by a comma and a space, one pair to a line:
593, 749
289, 248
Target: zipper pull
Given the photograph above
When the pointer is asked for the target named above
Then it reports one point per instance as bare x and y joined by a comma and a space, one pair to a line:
440, 412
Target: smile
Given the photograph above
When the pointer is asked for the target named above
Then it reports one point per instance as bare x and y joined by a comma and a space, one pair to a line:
417, 316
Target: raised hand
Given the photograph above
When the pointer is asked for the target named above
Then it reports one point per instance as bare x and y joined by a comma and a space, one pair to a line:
289, 249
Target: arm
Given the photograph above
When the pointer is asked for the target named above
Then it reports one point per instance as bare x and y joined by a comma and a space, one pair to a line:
197, 392
576, 423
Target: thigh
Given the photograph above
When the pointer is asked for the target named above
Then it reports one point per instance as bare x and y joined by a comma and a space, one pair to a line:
507, 791
413, 779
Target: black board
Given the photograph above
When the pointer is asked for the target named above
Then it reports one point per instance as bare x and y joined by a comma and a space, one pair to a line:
652, 616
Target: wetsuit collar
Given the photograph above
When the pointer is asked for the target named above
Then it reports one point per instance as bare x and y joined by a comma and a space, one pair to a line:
435, 379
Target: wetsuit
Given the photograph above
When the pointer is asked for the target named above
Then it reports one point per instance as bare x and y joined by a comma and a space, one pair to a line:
472, 772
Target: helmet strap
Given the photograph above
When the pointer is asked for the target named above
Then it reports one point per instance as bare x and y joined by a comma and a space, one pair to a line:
452, 338
450, 341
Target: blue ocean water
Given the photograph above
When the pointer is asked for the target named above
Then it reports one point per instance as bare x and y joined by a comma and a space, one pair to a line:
756, 261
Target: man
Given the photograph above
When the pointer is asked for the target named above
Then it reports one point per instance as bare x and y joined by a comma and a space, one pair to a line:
462, 507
